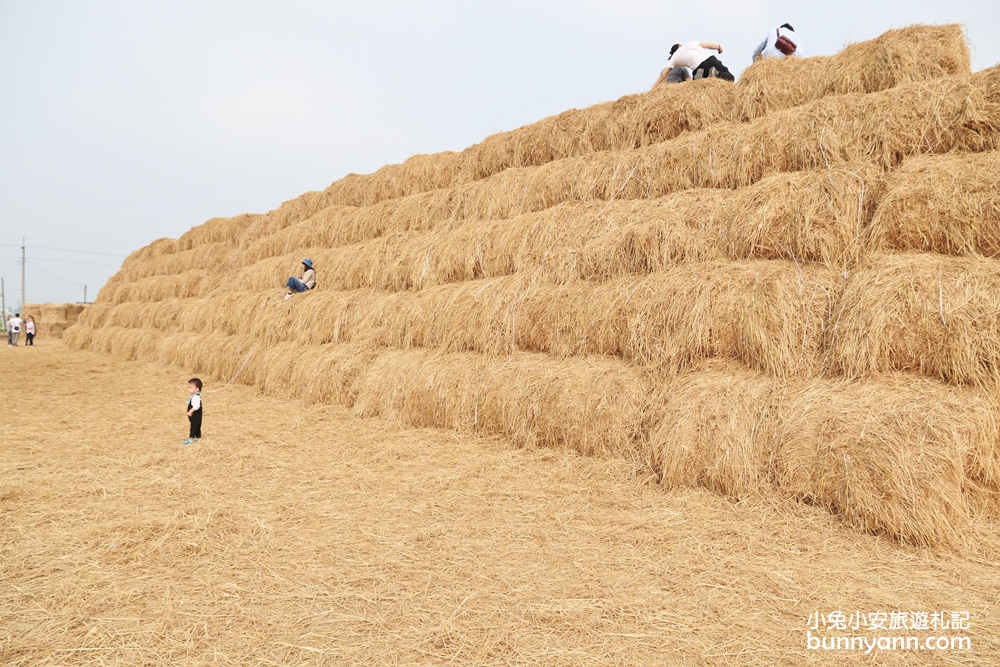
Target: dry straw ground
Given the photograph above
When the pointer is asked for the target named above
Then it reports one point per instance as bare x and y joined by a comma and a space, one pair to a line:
297, 534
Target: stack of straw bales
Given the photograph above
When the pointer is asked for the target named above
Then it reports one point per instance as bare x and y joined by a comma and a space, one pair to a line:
786, 286
52, 319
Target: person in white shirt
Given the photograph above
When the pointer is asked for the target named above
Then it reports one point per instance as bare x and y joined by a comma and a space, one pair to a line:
781, 42
14, 326
699, 58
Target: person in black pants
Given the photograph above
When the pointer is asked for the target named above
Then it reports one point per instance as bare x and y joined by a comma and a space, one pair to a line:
699, 58
194, 411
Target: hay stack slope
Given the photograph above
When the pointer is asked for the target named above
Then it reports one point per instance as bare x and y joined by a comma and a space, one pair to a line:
788, 286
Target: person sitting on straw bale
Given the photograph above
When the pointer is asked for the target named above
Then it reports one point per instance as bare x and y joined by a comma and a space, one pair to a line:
778, 44
698, 57
306, 283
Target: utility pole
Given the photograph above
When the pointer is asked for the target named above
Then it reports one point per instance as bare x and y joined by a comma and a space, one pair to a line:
3, 303
22, 273
85, 294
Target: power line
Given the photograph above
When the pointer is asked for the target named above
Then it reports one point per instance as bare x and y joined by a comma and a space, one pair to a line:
70, 261
54, 275
17, 260
82, 252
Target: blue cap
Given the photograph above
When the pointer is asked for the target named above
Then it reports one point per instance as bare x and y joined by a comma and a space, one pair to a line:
308, 262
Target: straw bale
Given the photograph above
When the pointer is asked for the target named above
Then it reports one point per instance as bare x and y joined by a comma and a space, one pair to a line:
52, 319
768, 314
331, 373
838, 132
563, 243
884, 128
574, 240
988, 80
339, 225
186, 284
79, 336
95, 314
219, 358
155, 249
213, 257
125, 343
592, 405
716, 431
419, 173
300, 234
267, 274
901, 456
814, 216
631, 122
243, 229
897, 57
931, 314
289, 213
214, 230
942, 203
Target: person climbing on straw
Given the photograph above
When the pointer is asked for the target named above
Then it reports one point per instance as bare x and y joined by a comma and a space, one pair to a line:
306, 283
699, 58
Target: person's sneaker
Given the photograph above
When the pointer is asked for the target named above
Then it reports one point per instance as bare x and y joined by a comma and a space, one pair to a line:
190, 441
288, 295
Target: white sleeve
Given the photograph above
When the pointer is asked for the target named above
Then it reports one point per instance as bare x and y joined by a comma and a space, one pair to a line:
758, 50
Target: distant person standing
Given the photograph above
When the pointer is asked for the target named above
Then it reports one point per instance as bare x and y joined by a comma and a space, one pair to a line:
29, 330
781, 42
14, 327
698, 57
194, 411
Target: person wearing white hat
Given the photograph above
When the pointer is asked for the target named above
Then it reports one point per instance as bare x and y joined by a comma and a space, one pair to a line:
304, 284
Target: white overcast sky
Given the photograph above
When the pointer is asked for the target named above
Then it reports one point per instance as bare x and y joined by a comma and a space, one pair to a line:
123, 121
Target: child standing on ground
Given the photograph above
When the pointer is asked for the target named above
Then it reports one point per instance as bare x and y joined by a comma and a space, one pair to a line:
194, 411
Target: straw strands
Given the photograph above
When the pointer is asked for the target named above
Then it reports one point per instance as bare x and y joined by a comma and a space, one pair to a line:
770, 315
933, 314
899, 456
902, 456
594, 406
812, 216
948, 204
